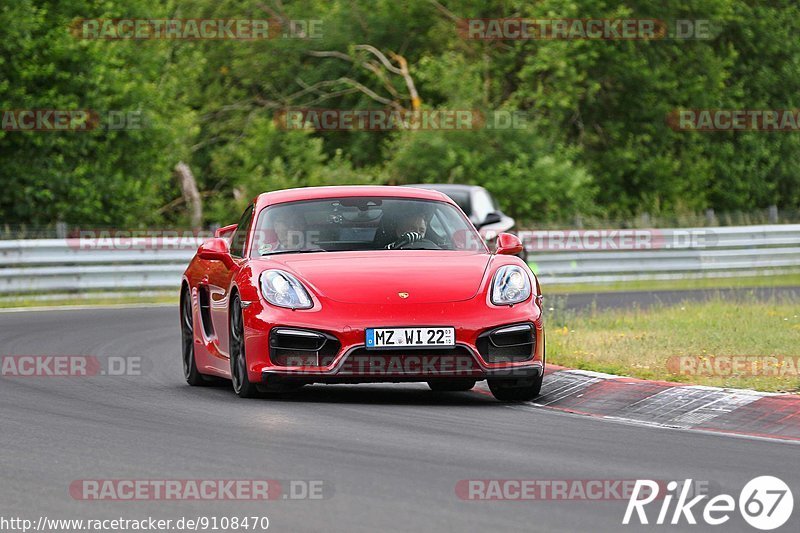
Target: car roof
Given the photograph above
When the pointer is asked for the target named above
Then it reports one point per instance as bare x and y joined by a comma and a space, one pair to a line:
445, 187
344, 191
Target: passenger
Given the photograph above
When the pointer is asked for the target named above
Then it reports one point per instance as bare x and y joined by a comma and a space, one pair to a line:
290, 229
287, 233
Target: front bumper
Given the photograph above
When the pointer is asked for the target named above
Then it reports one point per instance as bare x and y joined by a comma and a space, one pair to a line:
351, 362
358, 365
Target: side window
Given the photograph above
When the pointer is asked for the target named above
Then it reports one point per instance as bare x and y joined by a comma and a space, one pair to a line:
239, 239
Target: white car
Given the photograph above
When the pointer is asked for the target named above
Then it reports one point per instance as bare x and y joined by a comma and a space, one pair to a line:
480, 207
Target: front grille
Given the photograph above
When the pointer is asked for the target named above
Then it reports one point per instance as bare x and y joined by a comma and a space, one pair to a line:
300, 347
419, 362
507, 344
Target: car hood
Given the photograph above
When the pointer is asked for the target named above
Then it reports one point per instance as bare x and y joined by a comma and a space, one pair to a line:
380, 276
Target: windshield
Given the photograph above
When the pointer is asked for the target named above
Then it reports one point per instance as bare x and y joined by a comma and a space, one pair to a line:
362, 223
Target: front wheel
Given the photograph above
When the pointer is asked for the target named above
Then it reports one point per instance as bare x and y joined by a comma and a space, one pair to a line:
241, 383
190, 373
516, 390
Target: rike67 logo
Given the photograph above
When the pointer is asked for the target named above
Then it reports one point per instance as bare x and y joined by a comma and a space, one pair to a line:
765, 503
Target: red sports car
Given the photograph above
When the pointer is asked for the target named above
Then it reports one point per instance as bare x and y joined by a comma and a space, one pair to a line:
361, 284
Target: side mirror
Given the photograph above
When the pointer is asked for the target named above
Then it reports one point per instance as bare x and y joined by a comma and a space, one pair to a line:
225, 231
491, 218
216, 249
508, 244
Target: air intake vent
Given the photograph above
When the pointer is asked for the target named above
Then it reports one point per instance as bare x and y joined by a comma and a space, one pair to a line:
507, 344
302, 347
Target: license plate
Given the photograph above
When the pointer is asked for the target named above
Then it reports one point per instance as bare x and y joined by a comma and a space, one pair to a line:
411, 337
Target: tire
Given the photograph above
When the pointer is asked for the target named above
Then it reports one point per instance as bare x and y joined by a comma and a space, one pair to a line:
451, 385
190, 373
241, 383
516, 390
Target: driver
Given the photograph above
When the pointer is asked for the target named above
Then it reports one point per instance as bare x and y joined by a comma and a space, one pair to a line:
410, 228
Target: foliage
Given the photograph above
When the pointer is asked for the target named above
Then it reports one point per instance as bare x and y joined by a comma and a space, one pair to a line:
595, 141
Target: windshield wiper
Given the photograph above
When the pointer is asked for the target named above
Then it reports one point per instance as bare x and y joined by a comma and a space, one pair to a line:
301, 251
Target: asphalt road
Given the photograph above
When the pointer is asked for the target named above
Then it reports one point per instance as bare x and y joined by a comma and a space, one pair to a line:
391, 455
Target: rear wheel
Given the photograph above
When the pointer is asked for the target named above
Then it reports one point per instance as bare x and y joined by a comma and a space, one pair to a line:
190, 372
241, 383
516, 390
451, 385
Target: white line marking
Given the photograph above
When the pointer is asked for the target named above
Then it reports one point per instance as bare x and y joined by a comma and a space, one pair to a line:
41, 309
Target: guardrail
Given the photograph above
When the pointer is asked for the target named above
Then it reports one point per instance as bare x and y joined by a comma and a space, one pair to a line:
76, 265
605, 256
569, 256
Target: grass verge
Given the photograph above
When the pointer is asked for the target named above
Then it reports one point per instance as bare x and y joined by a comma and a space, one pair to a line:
644, 343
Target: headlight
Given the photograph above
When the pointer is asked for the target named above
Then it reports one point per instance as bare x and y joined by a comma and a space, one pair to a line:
511, 285
284, 290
